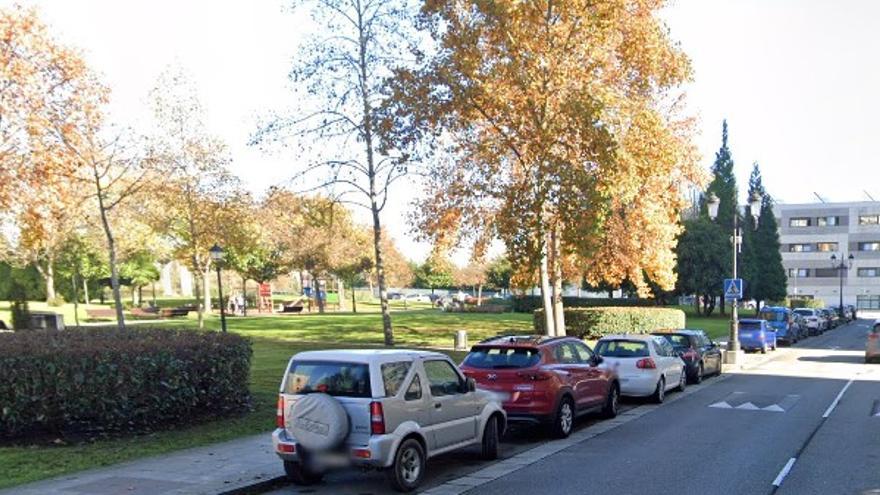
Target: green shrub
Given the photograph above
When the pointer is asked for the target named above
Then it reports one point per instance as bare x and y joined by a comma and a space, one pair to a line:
56, 302
804, 303
593, 323
102, 380
528, 304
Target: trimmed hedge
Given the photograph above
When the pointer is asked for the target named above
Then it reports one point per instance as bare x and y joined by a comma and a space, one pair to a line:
528, 304
99, 380
593, 323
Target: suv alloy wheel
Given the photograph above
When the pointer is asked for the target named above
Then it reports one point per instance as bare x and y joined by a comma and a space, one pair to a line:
564, 420
409, 466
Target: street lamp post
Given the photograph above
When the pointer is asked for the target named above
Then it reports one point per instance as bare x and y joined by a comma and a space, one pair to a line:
712, 203
217, 254
842, 267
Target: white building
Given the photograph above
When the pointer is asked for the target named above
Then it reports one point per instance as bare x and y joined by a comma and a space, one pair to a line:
811, 233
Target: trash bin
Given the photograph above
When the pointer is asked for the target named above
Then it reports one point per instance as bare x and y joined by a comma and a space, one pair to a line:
45, 320
461, 343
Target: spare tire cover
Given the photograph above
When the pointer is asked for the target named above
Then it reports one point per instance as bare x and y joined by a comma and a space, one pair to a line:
318, 422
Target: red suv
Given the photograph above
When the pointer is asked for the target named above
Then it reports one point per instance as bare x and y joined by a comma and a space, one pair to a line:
544, 380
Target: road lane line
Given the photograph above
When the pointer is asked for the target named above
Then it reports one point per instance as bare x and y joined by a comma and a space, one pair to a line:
837, 399
782, 474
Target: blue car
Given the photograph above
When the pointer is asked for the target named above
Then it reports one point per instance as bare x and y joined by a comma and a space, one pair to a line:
756, 335
780, 319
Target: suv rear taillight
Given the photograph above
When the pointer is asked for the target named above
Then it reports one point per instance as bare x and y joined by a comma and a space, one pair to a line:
279, 417
646, 364
535, 376
377, 419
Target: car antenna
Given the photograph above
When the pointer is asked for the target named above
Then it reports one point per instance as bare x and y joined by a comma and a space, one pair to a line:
820, 197
869, 196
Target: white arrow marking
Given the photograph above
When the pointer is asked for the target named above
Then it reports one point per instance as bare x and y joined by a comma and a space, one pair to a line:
748, 406
721, 405
774, 408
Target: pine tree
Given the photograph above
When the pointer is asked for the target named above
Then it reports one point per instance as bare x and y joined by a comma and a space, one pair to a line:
723, 185
750, 267
773, 283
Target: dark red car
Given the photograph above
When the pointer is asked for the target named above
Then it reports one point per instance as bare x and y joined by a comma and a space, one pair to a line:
544, 380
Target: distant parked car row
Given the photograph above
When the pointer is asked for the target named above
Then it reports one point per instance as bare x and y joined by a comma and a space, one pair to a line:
778, 325
392, 410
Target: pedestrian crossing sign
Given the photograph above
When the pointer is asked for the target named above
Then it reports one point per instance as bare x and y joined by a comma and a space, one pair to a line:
733, 289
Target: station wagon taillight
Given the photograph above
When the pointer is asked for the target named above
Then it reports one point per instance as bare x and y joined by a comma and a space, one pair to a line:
377, 419
279, 417
646, 364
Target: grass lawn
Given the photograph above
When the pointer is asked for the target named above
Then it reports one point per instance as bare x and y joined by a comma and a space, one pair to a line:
275, 339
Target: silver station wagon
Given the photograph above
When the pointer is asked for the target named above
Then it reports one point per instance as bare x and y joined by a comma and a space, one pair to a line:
384, 409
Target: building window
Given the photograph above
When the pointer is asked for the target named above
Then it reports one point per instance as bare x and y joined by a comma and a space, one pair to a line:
869, 219
828, 221
800, 248
826, 247
798, 272
799, 222
825, 272
869, 246
868, 302
869, 272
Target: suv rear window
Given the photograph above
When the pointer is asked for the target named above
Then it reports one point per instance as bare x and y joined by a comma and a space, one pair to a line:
622, 348
496, 358
749, 325
329, 377
677, 341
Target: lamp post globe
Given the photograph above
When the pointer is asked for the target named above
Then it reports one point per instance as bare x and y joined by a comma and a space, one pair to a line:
712, 204
755, 202
217, 255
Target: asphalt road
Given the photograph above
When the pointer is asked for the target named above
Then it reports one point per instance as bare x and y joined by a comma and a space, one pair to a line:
736, 435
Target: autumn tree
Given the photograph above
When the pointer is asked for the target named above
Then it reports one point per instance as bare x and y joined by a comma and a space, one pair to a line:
342, 71
198, 198
472, 275
562, 124
435, 273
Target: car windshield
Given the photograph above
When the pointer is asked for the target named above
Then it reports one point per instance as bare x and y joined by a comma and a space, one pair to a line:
677, 341
622, 348
329, 377
497, 358
749, 325
773, 315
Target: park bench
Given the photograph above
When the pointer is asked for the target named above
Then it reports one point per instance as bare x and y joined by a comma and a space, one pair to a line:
292, 306
174, 312
144, 312
94, 313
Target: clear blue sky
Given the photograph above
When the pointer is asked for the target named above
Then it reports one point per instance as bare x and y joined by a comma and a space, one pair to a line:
796, 79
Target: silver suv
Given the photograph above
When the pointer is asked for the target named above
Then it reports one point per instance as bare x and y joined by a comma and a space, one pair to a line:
384, 409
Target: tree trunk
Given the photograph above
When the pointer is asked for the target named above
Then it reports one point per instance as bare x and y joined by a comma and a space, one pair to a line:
480, 295
354, 307
319, 297
200, 310
340, 291
206, 285
49, 277
111, 251
75, 284
722, 306
558, 310
85, 282
549, 320
244, 296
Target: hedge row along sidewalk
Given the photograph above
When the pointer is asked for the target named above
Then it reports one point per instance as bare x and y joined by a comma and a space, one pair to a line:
594, 323
89, 382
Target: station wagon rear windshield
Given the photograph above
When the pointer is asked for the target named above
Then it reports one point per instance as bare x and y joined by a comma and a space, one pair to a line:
497, 358
622, 348
749, 325
329, 377
772, 316
677, 341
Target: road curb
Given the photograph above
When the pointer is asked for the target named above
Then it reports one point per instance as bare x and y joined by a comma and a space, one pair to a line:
258, 487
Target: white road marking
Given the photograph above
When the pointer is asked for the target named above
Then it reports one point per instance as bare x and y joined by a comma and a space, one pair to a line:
721, 405
748, 406
774, 408
837, 399
782, 474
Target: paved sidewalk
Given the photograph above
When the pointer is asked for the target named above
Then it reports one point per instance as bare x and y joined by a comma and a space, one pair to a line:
218, 468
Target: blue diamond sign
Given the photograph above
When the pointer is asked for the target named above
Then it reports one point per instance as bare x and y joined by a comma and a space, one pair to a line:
733, 289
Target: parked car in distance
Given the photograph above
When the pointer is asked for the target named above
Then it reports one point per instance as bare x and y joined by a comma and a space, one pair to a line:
830, 318
837, 318
383, 409
801, 322
544, 380
700, 354
646, 365
756, 335
814, 320
780, 319
418, 298
872, 348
